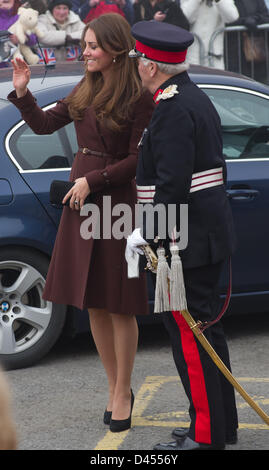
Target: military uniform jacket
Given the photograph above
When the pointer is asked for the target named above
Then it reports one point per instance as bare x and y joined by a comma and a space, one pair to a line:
184, 138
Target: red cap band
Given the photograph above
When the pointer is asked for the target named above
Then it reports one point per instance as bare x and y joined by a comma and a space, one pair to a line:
167, 57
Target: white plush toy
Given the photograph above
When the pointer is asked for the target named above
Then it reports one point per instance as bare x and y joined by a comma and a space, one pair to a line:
25, 25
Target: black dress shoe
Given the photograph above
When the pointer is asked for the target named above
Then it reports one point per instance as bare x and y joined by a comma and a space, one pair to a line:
179, 433
118, 425
107, 417
187, 444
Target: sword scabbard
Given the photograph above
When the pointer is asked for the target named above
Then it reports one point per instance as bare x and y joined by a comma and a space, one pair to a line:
195, 327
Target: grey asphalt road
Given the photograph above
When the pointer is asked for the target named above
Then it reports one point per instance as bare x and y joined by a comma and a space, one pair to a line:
59, 403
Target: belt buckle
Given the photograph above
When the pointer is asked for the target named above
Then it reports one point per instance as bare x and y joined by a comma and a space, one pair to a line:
84, 150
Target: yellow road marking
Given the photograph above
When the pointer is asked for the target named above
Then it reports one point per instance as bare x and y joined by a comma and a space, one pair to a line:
258, 400
253, 379
112, 441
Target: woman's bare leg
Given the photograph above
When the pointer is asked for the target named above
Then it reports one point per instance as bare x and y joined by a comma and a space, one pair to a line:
125, 344
103, 335
116, 338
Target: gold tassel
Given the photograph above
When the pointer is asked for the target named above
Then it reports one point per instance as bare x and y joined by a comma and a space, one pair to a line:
177, 287
162, 280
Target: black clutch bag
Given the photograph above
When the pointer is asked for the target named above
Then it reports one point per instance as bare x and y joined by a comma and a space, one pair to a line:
58, 189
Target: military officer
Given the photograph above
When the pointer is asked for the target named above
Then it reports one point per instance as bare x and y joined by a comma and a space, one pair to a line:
181, 162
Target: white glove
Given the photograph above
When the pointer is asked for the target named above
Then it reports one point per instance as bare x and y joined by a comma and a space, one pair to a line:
133, 242
132, 252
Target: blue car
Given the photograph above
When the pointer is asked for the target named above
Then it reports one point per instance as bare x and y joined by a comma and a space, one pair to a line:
30, 326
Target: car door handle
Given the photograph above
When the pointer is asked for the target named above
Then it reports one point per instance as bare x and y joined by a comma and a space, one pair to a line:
243, 194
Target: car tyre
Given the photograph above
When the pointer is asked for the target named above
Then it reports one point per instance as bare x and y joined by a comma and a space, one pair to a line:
29, 325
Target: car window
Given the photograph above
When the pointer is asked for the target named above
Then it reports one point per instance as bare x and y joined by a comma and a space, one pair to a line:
245, 122
39, 152
3, 103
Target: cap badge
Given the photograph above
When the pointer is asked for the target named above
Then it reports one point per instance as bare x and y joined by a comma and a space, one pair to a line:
168, 92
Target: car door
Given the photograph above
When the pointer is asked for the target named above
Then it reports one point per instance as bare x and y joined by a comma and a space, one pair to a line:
245, 126
42, 158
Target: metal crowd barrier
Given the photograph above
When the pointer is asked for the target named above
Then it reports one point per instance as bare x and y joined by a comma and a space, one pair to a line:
202, 52
239, 30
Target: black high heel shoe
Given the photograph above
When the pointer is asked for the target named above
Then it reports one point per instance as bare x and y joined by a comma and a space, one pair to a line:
107, 417
118, 425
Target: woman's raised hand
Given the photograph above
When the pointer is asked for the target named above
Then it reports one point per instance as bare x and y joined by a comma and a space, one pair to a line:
21, 76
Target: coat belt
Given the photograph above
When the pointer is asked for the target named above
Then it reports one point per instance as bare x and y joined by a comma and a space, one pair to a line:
87, 151
202, 180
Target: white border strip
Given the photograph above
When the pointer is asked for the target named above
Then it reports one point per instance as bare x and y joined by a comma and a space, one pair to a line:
7, 147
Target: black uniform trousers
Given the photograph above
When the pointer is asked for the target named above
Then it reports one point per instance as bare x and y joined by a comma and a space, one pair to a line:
213, 415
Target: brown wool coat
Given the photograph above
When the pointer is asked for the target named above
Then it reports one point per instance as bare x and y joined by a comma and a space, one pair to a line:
93, 273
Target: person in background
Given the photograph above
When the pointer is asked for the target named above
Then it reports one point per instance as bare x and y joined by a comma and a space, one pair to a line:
100, 7
83, 8
39, 5
167, 11
128, 9
205, 17
251, 14
62, 29
8, 16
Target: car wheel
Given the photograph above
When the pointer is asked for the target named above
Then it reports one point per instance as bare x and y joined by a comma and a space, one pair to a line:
29, 325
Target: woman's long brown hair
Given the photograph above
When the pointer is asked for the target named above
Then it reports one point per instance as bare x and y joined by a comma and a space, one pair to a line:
111, 100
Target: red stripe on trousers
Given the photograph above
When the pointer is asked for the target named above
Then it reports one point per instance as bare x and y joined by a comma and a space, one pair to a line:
197, 381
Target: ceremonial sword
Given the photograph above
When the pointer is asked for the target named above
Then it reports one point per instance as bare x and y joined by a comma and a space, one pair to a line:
152, 264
